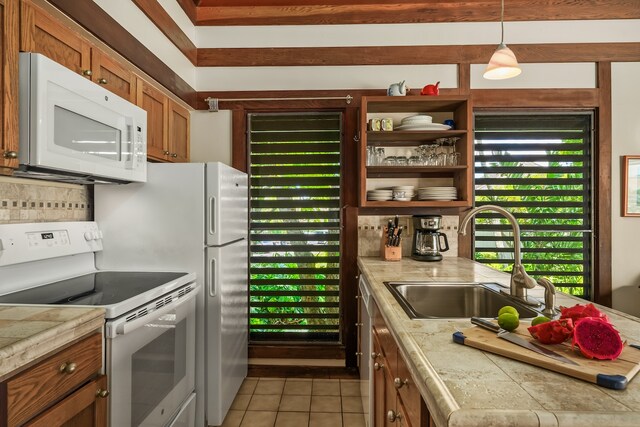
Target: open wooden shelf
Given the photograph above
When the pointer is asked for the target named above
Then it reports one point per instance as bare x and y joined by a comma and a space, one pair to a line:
457, 108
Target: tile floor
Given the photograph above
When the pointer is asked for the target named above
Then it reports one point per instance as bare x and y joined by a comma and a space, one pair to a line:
296, 402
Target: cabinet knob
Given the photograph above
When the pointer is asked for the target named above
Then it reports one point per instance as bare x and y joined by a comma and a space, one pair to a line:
102, 81
174, 155
68, 368
359, 324
393, 417
87, 72
375, 355
358, 353
10, 154
358, 297
102, 393
398, 383
166, 153
377, 366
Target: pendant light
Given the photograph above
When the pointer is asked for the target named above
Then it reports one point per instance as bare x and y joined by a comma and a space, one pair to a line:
503, 63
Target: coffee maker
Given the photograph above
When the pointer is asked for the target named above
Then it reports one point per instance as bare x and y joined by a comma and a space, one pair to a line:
427, 240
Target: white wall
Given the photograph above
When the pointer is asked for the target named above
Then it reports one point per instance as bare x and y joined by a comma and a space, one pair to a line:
625, 230
211, 136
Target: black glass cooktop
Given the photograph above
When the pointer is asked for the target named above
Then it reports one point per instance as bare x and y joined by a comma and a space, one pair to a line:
102, 288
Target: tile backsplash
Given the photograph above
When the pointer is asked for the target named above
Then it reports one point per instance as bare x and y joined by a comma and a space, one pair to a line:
28, 200
370, 233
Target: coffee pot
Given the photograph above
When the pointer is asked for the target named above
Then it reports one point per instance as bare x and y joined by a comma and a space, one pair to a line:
428, 242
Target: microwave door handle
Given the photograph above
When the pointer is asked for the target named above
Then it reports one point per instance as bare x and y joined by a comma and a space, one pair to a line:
122, 327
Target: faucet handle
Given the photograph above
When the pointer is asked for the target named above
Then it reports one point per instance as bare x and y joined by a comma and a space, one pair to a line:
549, 297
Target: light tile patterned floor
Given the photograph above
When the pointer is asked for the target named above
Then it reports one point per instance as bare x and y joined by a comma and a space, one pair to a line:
296, 402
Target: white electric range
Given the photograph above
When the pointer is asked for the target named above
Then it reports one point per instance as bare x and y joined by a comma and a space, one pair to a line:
149, 347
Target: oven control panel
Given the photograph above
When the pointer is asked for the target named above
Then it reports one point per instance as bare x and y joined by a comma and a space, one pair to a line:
37, 241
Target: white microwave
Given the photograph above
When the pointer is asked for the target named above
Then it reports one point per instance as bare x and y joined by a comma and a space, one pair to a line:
74, 130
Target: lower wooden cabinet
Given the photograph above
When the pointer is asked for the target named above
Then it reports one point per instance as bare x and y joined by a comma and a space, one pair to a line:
85, 407
397, 400
65, 389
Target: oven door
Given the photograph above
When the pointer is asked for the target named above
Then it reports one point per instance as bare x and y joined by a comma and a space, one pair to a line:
151, 363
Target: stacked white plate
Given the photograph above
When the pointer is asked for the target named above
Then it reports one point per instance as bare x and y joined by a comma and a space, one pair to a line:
409, 192
420, 122
379, 195
437, 193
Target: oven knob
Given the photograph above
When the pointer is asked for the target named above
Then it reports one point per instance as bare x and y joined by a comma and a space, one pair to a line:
88, 235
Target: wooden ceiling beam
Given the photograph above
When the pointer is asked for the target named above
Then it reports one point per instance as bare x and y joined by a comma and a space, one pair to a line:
309, 12
413, 55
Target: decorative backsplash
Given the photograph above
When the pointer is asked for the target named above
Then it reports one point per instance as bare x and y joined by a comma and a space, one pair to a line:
27, 200
370, 233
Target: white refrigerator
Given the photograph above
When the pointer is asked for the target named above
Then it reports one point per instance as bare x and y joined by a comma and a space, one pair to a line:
190, 217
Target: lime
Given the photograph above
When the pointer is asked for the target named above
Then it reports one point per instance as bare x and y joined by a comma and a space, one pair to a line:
508, 309
540, 319
508, 321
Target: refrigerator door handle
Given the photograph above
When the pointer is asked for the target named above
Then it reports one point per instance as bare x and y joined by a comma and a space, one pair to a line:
212, 278
212, 215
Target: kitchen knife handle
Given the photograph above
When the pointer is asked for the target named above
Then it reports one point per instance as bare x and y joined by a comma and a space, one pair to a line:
485, 324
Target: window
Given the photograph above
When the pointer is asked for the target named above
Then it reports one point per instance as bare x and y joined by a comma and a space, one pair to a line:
294, 219
539, 167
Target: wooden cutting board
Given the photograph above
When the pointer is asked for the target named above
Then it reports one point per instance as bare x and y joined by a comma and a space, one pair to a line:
614, 374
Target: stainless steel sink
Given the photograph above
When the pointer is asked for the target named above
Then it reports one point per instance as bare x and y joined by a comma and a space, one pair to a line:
438, 300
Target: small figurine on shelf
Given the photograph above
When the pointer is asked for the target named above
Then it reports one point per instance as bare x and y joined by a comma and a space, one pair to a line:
398, 89
430, 90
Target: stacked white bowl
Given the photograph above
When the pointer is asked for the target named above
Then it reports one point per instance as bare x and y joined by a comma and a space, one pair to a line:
437, 193
403, 193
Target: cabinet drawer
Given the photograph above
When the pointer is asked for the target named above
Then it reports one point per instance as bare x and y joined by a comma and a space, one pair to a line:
33, 390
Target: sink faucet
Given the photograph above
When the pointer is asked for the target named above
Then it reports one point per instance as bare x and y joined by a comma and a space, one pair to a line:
520, 280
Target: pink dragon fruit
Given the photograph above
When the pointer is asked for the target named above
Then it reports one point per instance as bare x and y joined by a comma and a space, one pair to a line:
597, 339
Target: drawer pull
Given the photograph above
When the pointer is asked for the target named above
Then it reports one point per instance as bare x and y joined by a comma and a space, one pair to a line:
87, 72
358, 353
398, 383
375, 355
359, 324
393, 417
102, 393
377, 366
102, 81
10, 155
68, 368
174, 155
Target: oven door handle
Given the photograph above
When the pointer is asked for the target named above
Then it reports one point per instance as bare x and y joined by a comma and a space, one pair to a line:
122, 327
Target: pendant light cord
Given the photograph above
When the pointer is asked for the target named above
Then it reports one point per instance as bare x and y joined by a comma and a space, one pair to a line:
502, 23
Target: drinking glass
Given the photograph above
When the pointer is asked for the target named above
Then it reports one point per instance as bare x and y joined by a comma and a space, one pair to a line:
379, 158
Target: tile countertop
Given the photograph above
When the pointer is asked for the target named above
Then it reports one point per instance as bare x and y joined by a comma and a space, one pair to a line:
464, 386
30, 332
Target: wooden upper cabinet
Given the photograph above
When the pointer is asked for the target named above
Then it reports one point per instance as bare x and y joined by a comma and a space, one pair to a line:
167, 121
44, 34
156, 104
9, 86
111, 74
179, 124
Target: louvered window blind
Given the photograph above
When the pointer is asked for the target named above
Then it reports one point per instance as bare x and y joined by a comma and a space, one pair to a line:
538, 166
294, 226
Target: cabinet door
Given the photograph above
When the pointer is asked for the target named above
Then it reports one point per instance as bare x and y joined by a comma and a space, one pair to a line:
156, 104
86, 407
179, 123
9, 86
109, 73
43, 34
379, 404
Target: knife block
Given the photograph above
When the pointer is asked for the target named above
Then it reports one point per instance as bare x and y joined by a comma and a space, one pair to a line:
390, 253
